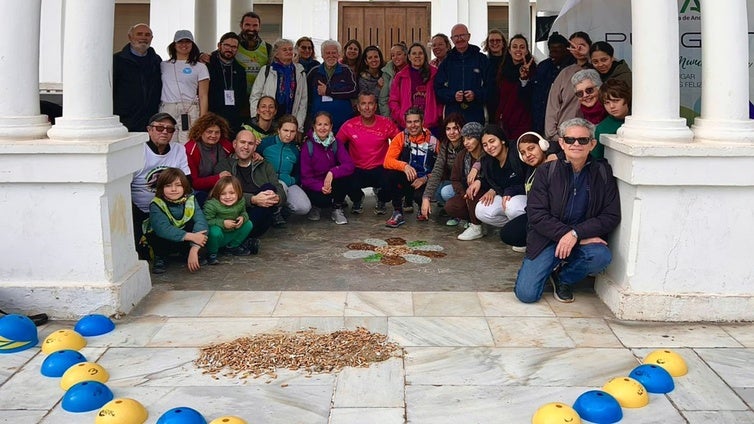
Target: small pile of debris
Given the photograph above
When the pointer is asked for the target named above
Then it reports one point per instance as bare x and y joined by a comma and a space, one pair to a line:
304, 350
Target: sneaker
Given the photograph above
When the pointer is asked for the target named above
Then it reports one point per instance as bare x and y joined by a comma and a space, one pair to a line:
240, 250
519, 249
212, 259
452, 222
561, 292
313, 214
379, 208
420, 217
159, 266
253, 245
277, 218
357, 207
463, 223
338, 216
408, 206
396, 220
474, 232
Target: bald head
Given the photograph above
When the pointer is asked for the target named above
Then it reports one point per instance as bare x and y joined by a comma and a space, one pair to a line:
460, 36
245, 145
140, 38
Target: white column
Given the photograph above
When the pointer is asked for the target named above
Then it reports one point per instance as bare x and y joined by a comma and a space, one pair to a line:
725, 74
237, 9
519, 19
19, 90
87, 73
205, 25
656, 95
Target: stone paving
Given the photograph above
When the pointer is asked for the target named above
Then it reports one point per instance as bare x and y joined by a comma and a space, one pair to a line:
473, 353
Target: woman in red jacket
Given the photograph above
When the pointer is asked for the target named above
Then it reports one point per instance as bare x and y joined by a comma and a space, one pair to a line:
208, 143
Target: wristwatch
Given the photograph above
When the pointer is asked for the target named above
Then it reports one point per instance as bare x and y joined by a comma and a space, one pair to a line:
575, 234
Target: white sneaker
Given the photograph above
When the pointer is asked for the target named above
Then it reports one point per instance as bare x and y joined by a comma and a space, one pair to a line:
519, 249
313, 214
339, 217
472, 233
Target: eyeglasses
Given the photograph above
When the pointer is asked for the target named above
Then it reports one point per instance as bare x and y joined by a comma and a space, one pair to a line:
163, 128
460, 36
493, 41
581, 140
229, 46
587, 91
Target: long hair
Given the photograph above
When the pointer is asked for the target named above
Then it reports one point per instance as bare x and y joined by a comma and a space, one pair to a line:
358, 58
363, 66
303, 40
193, 57
424, 70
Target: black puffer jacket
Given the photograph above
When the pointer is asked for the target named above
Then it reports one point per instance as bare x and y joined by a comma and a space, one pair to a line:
137, 85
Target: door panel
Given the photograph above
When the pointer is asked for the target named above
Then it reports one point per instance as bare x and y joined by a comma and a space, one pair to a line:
384, 24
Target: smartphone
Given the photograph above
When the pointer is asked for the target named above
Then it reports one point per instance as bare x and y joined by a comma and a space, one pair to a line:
184, 122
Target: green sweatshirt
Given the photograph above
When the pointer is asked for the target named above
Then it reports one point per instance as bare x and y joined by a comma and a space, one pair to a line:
216, 213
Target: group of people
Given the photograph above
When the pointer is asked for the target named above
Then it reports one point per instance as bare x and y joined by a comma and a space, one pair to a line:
495, 140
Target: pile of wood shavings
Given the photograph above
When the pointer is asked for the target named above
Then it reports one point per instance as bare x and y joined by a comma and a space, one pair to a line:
304, 350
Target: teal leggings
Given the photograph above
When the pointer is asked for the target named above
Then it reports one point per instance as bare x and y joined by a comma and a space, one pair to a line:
218, 238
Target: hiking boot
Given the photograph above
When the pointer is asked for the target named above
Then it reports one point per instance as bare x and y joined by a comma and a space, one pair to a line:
357, 207
159, 266
396, 220
408, 206
561, 292
240, 250
314, 214
475, 231
277, 218
338, 216
379, 208
212, 259
452, 222
253, 245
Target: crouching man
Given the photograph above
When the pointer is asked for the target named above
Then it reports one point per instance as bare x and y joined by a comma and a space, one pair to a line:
572, 206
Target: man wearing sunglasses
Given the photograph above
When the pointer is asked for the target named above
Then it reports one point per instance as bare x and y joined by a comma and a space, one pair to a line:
159, 153
572, 206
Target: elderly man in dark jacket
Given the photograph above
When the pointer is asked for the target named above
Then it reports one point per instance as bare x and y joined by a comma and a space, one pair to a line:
137, 83
572, 206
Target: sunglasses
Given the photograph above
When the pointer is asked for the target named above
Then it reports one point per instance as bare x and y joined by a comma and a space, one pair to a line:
163, 128
587, 91
581, 140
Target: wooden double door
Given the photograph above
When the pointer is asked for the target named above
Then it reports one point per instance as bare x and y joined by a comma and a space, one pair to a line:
384, 24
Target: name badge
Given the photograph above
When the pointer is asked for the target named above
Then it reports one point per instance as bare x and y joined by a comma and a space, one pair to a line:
230, 98
326, 99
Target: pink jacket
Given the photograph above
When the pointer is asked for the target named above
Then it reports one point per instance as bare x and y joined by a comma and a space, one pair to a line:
400, 99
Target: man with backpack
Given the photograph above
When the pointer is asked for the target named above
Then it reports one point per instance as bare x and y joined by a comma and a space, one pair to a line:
572, 206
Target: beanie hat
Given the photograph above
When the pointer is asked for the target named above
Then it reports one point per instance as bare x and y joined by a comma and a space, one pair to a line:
472, 130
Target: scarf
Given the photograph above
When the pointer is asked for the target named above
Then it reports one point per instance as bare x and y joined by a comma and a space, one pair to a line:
330, 139
594, 114
286, 86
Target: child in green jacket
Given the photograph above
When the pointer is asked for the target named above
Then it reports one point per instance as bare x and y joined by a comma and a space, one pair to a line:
229, 224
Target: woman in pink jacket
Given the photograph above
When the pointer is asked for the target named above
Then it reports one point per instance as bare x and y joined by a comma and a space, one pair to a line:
413, 87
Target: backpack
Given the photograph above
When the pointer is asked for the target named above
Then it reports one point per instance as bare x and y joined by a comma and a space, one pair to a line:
310, 147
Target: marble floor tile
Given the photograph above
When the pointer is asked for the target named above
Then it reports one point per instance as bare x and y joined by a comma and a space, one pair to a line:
590, 332
743, 333
701, 389
324, 303
367, 415
439, 331
21, 417
515, 366
505, 304
131, 331
13, 362
663, 334
241, 304
587, 305
732, 365
379, 304
373, 324
529, 332
719, 417
456, 304
747, 394
174, 303
378, 386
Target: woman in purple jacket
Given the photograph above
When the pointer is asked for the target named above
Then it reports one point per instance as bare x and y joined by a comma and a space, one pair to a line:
325, 170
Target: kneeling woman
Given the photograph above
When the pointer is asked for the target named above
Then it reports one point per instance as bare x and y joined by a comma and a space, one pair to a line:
325, 170
176, 222
532, 149
501, 180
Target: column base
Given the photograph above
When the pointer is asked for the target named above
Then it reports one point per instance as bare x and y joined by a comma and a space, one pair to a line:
74, 301
727, 130
673, 307
104, 128
24, 127
653, 130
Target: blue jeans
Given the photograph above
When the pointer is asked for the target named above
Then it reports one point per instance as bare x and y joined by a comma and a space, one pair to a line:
444, 192
584, 260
